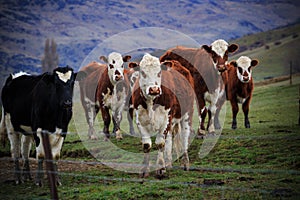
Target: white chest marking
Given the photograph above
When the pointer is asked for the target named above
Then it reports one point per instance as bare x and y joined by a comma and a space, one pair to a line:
116, 100
241, 100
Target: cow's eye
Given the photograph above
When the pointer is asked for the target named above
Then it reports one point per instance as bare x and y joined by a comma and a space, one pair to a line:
143, 74
111, 66
240, 70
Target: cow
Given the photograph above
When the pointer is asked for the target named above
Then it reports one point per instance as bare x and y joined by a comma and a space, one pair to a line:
105, 88
163, 100
34, 105
206, 65
239, 86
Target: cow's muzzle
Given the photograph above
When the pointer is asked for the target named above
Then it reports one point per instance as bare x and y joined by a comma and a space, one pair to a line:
154, 90
118, 77
221, 68
246, 79
67, 104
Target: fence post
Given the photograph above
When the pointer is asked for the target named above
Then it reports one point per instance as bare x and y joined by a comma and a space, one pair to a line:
49, 62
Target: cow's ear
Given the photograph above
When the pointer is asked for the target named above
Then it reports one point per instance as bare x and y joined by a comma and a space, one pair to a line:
233, 63
79, 76
206, 48
126, 58
166, 65
135, 66
104, 59
254, 63
233, 48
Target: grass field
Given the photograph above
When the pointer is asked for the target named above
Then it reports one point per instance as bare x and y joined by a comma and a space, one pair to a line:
262, 162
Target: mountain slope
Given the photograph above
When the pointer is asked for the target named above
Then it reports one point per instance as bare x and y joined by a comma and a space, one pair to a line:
79, 26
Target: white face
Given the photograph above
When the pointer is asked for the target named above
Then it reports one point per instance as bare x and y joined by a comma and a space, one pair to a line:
64, 77
150, 76
244, 71
115, 67
219, 47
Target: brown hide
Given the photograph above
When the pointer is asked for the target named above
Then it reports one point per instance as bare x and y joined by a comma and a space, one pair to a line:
176, 65
199, 63
235, 87
177, 94
88, 86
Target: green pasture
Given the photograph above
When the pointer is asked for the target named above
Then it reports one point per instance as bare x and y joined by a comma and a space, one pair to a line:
258, 163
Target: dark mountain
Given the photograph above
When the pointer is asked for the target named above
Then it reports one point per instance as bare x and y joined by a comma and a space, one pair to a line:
79, 26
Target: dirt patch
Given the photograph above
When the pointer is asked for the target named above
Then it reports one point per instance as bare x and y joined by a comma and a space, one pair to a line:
7, 167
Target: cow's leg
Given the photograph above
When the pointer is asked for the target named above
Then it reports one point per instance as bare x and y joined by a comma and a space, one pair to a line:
26, 142
14, 139
220, 103
91, 112
185, 134
117, 117
40, 155
202, 114
106, 119
212, 112
235, 110
246, 111
160, 143
168, 151
56, 142
130, 121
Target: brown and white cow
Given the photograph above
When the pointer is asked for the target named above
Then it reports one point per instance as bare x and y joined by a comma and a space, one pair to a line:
205, 64
240, 86
163, 100
105, 88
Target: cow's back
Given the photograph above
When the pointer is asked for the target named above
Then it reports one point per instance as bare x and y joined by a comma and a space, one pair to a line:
17, 96
198, 62
88, 86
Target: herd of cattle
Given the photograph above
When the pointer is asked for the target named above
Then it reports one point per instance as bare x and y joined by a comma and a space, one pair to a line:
160, 91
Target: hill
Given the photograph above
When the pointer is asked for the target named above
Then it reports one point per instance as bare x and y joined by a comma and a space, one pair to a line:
79, 26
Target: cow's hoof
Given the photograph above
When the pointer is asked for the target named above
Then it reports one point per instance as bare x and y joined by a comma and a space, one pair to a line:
39, 183
119, 138
160, 173
93, 137
210, 135
169, 166
27, 177
144, 175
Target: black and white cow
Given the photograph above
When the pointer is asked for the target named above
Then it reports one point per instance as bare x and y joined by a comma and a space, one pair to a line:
36, 104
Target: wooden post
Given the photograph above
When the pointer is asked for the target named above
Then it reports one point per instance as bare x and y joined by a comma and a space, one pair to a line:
49, 165
49, 62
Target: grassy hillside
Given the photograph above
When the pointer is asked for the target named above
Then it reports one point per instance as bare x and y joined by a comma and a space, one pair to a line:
262, 162
274, 49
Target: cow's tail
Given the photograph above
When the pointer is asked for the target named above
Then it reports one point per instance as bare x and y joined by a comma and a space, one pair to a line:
3, 130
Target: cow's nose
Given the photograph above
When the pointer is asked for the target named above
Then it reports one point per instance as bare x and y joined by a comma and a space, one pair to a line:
155, 90
246, 78
67, 104
221, 68
118, 77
